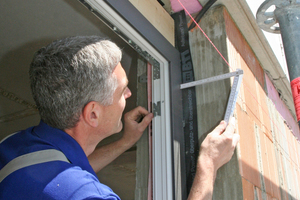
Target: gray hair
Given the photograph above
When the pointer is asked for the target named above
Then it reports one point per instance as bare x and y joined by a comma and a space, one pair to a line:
69, 73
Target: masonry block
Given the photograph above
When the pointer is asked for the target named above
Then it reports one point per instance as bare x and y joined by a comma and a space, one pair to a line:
267, 148
248, 190
248, 152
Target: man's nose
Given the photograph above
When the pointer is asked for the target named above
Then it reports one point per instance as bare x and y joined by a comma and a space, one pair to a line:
128, 93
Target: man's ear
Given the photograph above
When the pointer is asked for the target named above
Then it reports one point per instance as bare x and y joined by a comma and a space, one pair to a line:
91, 113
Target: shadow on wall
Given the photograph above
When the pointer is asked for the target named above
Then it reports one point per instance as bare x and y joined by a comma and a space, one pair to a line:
16, 102
266, 189
15, 64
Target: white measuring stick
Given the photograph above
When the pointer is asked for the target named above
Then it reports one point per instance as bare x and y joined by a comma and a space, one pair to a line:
211, 79
238, 76
233, 97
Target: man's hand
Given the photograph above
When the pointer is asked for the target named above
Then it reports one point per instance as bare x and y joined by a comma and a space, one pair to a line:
216, 150
218, 146
136, 121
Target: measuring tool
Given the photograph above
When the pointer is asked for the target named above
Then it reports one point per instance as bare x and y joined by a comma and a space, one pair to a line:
238, 76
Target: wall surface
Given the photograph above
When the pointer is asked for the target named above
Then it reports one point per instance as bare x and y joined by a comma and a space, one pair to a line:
212, 97
157, 16
269, 150
266, 164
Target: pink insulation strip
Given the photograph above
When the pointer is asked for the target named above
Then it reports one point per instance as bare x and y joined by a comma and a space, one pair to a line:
192, 6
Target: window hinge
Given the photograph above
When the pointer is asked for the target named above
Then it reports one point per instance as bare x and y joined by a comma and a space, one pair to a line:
156, 71
156, 109
143, 78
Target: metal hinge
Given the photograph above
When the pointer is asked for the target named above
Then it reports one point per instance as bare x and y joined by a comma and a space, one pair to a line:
156, 71
143, 78
156, 108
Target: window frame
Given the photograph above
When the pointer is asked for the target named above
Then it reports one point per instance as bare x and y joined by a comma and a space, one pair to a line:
168, 139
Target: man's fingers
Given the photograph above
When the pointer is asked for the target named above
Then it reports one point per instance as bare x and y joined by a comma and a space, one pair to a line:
146, 120
141, 116
231, 126
220, 128
232, 121
230, 132
137, 114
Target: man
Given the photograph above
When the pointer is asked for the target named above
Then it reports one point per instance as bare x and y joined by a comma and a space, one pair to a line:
80, 89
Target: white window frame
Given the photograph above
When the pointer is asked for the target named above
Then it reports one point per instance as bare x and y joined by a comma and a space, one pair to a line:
161, 130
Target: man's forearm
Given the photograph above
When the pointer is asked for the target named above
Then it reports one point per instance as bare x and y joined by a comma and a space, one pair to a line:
216, 150
133, 130
104, 155
202, 188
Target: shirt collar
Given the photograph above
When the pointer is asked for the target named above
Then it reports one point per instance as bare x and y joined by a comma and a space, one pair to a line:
65, 143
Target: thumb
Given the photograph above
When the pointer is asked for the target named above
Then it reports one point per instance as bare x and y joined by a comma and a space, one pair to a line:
146, 121
220, 128
235, 139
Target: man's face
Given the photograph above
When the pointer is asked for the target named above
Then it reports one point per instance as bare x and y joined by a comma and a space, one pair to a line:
113, 112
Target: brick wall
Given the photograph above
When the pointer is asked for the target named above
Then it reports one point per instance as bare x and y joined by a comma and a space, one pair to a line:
268, 150
267, 158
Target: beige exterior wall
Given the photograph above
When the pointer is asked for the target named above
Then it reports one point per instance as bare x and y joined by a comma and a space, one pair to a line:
157, 16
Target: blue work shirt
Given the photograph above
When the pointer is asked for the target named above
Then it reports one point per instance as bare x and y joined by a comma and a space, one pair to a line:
50, 180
